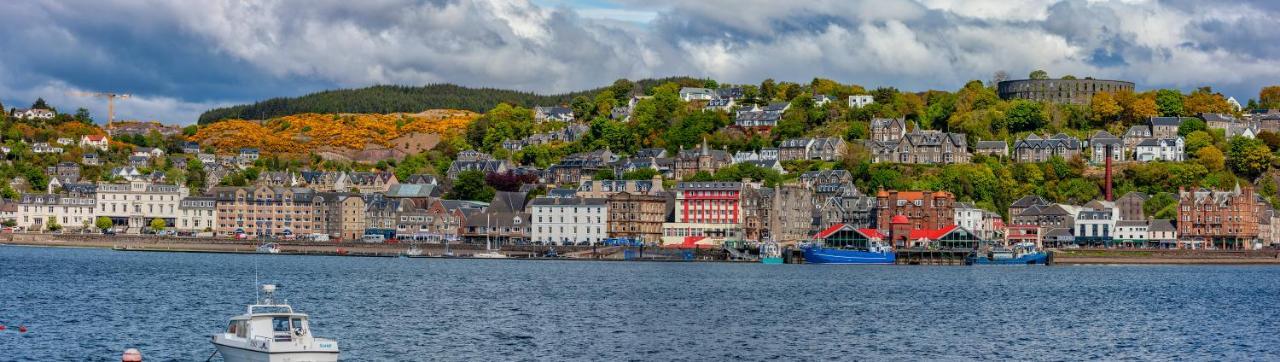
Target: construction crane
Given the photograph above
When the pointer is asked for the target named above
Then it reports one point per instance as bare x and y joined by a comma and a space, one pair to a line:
111, 102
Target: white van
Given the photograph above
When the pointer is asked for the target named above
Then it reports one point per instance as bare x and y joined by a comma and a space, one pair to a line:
373, 238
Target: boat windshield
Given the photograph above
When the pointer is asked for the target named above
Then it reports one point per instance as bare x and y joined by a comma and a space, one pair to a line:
280, 324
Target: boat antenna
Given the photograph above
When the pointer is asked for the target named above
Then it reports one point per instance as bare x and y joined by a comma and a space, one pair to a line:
255, 279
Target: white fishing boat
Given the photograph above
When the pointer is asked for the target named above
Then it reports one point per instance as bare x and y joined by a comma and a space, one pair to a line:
269, 248
271, 332
413, 251
489, 255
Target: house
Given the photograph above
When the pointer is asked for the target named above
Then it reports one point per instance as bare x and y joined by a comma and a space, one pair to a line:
1034, 148
1246, 130
1096, 226
420, 179
90, 159
1016, 208
129, 173
139, 161
248, 155
759, 120
473, 155
178, 161
703, 159
888, 129
1160, 149
149, 152
1103, 143
991, 148
504, 222
372, 182
1162, 233
190, 148
1218, 120
820, 100
1165, 127
326, 181
413, 191
279, 179
64, 172
861, 100
1131, 233
730, 93
44, 147
589, 188
33, 113
825, 148
485, 166
922, 147
65, 141
1136, 134
99, 142
573, 167
552, 114
720, 104
690, 94
207, 158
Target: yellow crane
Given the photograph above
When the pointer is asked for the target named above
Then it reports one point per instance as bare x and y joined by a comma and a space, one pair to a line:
111, 102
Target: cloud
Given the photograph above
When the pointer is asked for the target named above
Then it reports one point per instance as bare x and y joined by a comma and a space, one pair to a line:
181, 57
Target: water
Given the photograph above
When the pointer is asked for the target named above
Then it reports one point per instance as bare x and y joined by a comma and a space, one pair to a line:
85, 305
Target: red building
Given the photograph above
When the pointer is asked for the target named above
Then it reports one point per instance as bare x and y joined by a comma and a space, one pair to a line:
709, 202
923, 209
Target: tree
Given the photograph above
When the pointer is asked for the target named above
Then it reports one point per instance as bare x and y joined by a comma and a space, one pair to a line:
604, 174
582, 107
1104, 107
1248, 157
1077, 190
103, 223
1191, 125
1269, 97
471, 185
40, 104
1143, 108
1169, 102
157, 224
195, 174
1197, 140
1204, 100
1211, 158
1025, 115
1038, 74
82, 116
53, 225
768, 90
640, 174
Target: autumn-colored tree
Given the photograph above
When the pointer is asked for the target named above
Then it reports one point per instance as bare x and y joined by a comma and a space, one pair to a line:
1211, 158
1204, 100
1269, 97
1142, 109
1104, 107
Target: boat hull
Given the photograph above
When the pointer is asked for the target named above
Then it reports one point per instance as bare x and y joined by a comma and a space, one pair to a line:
1039, 258
236, 354
847, 257
771, 260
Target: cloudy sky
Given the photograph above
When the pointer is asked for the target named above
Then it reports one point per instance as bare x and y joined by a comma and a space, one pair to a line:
180, 58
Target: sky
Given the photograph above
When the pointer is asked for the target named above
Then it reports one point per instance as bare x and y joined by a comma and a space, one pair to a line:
180, 58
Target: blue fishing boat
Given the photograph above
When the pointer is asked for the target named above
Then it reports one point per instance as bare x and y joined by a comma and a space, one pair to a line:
844, 244
1021, 254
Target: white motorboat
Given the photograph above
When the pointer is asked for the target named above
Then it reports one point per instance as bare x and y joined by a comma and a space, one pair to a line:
489, 255
269, 248
270, 332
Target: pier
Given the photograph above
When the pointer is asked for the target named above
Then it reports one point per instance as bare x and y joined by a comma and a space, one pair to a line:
921, 256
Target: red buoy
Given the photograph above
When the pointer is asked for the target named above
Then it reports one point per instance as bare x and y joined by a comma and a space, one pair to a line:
22, 329
1, 327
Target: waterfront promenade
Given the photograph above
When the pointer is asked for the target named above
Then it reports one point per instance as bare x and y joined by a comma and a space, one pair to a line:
229, 245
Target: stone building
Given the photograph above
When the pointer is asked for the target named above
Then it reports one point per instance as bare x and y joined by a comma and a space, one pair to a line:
1130, 205
922, 147
266, 211
703, 159
1034, 148
637, 215
1074, 91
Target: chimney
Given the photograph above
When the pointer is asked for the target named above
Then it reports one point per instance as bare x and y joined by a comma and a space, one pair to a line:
1108, 173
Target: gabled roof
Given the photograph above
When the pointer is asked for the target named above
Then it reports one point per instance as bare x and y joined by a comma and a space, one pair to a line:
933, 234
1166, 121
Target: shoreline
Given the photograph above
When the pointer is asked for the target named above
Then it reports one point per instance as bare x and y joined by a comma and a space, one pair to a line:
434, 251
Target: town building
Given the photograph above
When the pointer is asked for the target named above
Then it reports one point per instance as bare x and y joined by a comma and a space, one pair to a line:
1103, 143
504, 222
923, 209
1161, 232
1165, 127
69, 211
486, 166
569, 220
135, 204
99, 142
1131, 233
702, 159
1135, 135
888, 129
1160, 149
197, 213
860, 100
1222, 219
922, 147
552, 114
1034, 148
992, 148
705, 210
32, 113
326, 181
819, 148
1096, 226
373, 182
1131, 204
264, 211
637, 215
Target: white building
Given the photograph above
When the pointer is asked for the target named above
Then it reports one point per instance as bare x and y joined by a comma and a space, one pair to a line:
1096, 226
72, 212
95, 141
1131, 231
197, 213
35, 113
690, 93
44, 147
968, 216
136, 203
859, 101
1160, 149
568, 220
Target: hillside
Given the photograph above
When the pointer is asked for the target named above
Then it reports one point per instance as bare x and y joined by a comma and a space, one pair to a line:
392, 99
309, 132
